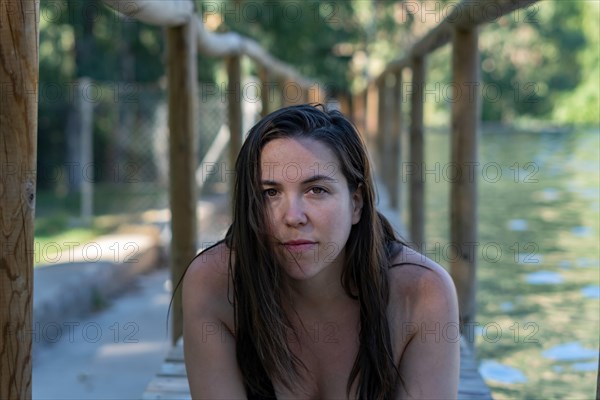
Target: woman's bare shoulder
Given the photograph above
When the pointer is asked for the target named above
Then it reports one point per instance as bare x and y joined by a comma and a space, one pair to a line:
421, 285
207, 283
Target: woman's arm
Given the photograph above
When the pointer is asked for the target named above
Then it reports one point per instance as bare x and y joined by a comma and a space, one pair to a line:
209, 345
430, 363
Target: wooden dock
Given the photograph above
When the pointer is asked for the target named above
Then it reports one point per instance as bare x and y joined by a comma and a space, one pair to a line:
171, 381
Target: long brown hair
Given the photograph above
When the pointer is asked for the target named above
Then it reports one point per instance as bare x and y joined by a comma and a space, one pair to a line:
261, 325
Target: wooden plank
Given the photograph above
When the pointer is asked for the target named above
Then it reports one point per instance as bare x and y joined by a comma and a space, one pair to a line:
171, 381
19, 74
172, 368
463, 189
417, 184
183, 88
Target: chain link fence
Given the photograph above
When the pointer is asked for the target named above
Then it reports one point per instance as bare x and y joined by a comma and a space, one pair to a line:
126, 170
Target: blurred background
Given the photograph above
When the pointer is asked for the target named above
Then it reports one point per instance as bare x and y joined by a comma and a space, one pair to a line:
539, 202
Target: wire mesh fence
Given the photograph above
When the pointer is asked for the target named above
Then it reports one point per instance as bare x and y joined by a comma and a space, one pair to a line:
128, 169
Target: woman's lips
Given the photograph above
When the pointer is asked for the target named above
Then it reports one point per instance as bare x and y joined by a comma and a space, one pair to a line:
297, 246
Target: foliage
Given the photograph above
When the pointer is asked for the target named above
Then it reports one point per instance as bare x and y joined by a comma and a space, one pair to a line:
540, 63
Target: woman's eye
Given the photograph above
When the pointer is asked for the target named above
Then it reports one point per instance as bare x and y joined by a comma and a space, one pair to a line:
270, 192
318, 190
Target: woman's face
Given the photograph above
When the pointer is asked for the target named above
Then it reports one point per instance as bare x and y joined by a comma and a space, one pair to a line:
310, 208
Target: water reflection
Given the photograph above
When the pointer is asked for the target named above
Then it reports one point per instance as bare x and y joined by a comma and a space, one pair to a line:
544, 278
542, 289
494, 371
572, 351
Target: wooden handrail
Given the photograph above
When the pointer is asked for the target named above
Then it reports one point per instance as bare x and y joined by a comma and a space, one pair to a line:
465, 15
178, 12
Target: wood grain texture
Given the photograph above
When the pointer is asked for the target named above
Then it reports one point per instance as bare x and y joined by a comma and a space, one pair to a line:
417, 155
183, 130
463, 190
465, 15
19, 45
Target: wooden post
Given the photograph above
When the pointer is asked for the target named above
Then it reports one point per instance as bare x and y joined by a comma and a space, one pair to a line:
387, 142
292, 93
183, 87
463, 189
234, 112
19, 50
415, 166
371, 115
381, 132
396, 141
359, 105
265, 94
345, 100
86, 129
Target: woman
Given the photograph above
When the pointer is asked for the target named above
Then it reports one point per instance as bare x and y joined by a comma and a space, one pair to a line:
311, 295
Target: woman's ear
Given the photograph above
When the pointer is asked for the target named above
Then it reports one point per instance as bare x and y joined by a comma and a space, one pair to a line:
357, 204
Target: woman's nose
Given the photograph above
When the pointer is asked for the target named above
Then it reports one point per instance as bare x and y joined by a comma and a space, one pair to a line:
294, 213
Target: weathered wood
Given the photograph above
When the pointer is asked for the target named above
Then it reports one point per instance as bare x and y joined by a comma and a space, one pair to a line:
265, 92
396, 141
292, 93
178, 12
171, 381
381, 132
19, 50
371, 115
463, 189
359, 109
86, 119
234, 112
467, 14
168, 13
182, 86
416, 163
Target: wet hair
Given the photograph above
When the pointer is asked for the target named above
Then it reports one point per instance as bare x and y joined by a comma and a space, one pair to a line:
262, 328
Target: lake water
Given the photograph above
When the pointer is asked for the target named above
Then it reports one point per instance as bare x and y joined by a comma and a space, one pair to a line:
538, 256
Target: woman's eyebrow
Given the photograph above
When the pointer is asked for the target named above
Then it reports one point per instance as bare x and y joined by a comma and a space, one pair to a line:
314, 178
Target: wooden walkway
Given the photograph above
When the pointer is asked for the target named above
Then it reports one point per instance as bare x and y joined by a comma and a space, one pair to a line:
171, 381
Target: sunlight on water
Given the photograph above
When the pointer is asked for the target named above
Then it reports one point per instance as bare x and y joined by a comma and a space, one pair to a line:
572, 351
544, 278
537, 298
494, 371
591, 366
582, 231
591, 291
517, 225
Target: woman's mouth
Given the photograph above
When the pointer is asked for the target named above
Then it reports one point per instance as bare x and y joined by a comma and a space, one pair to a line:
298, 246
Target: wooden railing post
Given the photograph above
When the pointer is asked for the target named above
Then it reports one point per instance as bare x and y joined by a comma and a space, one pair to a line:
265, 94
396, 141
381, 131
463, 190
19, 50
371, 123
387, 131
359, 110
234, 112
183, 87
415, 166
